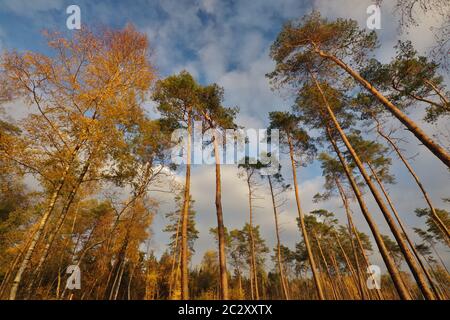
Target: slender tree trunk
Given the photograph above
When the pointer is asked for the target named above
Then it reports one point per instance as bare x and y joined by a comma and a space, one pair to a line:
220, 225
241, 292
351, 231
13, 265
252, 290
415, 269
442, 294
357, 276
438, 256
279, 258
439, 223
119, 280
327, 269
60, 222
402, 227
42, 224
175, 255
303, 227
436, 149
252, 243
133, 268
185, 220
341, 284
177, 274
390, 264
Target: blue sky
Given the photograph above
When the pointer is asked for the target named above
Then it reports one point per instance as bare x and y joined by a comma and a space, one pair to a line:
228, 42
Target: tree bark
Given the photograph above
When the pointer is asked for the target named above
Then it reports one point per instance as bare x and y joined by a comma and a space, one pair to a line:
185, 219
436, 149
303, 227
254, 273
327, 269
279, 258
352, 231
402, 227
390, 264
42, 224
439, 223
220, 225
173, 277
60, 221
415, 269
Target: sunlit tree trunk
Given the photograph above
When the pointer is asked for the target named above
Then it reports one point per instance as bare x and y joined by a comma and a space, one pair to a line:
185, 218
253, 271
327, 269
343, 288
351, 232
241, 292
390, 264
42, 223
439, 223
13, 265
436, 149
220, 226
355, 275
303, 227
60, 221
279, 258
402, 227
174, 273
415, 269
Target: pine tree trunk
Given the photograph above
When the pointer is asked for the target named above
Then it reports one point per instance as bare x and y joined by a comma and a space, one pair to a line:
402, 227
279, 258
241, 292
390, 264
185, 220
252, 244
436, 149
341, 285
357, 276
327, 269
415, 269
439, 223
352, 231
173, 277
438, 256
220, 225
312, 263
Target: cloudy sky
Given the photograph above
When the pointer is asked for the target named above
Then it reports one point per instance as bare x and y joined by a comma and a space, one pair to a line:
227, 42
